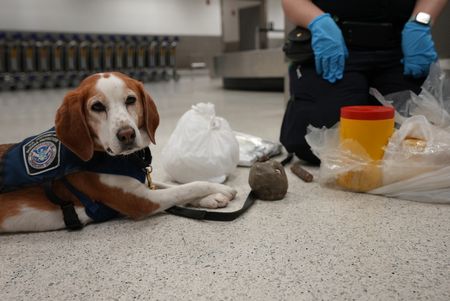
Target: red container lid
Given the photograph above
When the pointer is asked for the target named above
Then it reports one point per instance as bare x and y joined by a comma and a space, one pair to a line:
367, 112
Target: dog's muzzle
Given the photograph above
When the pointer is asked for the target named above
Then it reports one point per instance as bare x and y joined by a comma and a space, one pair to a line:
126, 136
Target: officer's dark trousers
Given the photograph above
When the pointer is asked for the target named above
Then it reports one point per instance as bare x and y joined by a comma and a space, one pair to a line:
317, 102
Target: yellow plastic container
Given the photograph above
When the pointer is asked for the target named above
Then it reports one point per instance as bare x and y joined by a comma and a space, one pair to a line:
366, 128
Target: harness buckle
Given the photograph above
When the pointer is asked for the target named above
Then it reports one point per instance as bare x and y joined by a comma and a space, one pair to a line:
150, 184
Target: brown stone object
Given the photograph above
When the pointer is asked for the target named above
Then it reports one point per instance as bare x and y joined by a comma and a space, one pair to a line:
268, 180
301, 172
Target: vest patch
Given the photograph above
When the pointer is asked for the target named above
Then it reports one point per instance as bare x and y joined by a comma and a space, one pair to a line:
42, 153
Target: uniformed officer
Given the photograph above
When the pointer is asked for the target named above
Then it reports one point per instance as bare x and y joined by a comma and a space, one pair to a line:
385, 44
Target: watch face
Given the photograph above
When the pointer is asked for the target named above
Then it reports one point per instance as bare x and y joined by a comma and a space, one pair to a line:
423, 18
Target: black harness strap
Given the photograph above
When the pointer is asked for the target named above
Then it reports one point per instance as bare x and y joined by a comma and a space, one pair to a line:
220, 216
142, 158
70, 215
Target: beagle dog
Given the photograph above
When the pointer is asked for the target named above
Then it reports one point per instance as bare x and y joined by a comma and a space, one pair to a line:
91, 166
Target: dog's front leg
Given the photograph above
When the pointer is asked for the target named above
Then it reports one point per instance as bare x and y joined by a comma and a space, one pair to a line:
132, 198
161, 185
198, 194
211, 201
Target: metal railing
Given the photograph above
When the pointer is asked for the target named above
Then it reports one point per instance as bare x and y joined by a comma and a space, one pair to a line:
30, 60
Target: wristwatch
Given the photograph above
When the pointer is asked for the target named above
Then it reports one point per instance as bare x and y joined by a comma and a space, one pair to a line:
423, 18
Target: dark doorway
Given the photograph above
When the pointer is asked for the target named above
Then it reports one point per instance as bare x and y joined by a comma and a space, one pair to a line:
248, 23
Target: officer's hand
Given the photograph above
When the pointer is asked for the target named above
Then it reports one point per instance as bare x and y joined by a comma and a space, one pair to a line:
329, 47
418, 49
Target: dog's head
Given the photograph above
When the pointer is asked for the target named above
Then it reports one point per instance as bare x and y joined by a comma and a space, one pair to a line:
108, 112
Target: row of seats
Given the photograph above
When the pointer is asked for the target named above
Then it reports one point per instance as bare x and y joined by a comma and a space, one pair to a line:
47, 60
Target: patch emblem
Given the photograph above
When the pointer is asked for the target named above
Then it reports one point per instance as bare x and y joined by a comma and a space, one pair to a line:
42, 153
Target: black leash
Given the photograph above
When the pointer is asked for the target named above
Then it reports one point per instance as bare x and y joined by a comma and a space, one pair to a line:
211, 215
144, 158
220, 216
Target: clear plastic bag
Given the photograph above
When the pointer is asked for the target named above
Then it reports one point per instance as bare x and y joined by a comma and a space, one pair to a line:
252, 148
416, 162
202, 147
433, 102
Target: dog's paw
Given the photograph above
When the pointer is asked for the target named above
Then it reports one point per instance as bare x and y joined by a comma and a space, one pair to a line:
227, 191
212, 201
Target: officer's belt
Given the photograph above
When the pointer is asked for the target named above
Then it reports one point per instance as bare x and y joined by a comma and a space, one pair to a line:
382, 35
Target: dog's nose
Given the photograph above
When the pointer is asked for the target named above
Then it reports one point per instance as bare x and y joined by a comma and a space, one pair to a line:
126, 135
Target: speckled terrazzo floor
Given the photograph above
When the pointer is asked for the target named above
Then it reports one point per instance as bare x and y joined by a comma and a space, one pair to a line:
316, 244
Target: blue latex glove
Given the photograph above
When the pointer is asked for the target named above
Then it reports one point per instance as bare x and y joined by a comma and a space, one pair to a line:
329, 47
418, 49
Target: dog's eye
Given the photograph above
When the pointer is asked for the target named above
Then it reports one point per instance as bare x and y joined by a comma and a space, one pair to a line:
98, 107
130, 100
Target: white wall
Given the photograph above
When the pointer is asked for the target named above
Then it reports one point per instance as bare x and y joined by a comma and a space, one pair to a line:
230, 17
171, 17
275, 14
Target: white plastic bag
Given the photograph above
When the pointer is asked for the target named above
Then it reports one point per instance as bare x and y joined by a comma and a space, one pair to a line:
202, 147
416, 162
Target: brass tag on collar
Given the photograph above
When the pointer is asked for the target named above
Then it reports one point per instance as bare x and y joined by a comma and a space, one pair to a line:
149, 178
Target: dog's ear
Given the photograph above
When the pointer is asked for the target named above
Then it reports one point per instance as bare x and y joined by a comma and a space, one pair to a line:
71, 126
151, 116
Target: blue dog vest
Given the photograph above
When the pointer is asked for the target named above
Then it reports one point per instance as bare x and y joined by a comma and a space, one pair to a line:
43, 158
